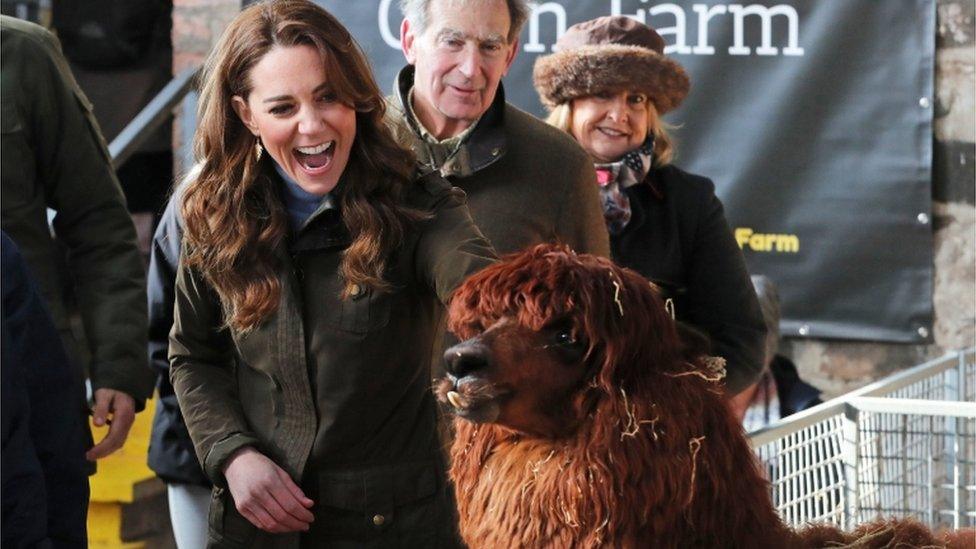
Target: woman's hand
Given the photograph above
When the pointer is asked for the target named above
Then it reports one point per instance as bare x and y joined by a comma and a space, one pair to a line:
265, 494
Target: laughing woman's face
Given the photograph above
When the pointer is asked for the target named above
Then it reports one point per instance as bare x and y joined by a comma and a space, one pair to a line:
610, 125
301, 123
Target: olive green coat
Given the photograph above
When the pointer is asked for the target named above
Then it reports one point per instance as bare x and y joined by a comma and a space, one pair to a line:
54, 157
336, 391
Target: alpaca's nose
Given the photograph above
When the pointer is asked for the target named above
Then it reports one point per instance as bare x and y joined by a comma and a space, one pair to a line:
466, 357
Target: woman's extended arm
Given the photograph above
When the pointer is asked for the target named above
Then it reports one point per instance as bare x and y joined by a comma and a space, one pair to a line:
451, 247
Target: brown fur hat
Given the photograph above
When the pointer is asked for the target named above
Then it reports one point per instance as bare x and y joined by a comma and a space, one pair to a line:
610, 54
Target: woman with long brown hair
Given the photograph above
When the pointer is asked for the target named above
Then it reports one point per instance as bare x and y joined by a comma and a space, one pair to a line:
309, 296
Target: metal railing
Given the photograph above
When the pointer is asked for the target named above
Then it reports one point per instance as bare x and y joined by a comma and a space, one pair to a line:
903, 446
152, 116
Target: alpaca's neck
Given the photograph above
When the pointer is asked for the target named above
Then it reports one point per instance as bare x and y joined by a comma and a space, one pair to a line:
530, 493
663, 481
593, 489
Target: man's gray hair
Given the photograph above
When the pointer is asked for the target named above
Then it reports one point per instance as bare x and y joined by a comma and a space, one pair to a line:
769, 303
417, 12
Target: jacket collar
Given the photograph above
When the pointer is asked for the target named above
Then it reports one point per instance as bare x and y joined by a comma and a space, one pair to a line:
484, 146
652, 180
638, 209
324, 228
324, 232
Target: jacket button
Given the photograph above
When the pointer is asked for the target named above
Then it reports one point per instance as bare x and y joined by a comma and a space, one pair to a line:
378, 520
496, 151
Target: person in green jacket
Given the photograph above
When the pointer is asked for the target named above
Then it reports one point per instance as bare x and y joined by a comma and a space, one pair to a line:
310, 295
54, 158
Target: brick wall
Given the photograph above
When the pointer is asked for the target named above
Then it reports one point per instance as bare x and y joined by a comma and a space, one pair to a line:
197, 24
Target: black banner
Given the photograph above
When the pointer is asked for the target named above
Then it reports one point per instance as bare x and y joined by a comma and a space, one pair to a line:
814, 119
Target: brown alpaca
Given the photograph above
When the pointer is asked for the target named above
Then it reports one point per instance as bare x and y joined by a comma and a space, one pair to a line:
587, 422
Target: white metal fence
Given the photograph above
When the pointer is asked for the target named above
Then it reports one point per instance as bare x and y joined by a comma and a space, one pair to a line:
903, 446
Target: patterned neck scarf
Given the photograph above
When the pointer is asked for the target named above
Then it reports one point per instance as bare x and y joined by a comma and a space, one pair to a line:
614, 177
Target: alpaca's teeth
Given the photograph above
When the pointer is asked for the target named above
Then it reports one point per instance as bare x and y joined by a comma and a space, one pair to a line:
455, 399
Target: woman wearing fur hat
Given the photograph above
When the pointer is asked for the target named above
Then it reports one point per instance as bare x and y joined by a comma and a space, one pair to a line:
607, 85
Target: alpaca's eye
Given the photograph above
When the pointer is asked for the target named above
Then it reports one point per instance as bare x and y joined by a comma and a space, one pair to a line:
561, 335
565, 338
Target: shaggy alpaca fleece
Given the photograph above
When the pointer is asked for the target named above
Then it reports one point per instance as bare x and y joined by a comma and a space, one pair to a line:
588, 70
657, 457
651, 455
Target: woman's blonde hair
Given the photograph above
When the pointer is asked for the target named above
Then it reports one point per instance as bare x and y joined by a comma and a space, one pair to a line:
562, 117
234, 219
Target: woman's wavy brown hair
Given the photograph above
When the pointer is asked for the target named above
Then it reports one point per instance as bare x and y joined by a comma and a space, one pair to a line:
234, 219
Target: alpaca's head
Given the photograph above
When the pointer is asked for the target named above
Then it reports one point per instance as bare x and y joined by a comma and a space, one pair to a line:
550, 334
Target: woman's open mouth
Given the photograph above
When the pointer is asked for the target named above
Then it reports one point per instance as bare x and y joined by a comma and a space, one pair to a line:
316, 159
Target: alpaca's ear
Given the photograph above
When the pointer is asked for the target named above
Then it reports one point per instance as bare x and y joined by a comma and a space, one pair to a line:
610, 389
605, 327
652, 342
613, 361
621, 316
